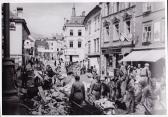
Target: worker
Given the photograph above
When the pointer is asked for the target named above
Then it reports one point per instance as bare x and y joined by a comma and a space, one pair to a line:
77, 91
95, 89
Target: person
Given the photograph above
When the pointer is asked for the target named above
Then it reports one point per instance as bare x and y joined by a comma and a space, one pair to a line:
145, 73
112, 88
104, 87
95, 89
55, 63
24, 77
130, 102
138, 73
77, 91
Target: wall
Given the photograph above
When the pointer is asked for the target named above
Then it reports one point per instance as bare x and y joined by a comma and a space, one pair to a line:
94, 34
75, 50
157, 15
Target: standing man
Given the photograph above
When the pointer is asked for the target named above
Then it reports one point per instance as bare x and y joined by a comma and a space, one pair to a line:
146, 73
138, 73
77, 91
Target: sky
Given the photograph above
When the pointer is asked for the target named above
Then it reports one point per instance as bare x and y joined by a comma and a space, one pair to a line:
48, 18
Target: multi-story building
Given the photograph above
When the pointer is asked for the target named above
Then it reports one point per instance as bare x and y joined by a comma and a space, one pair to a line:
92, 24
19, 32
117, 33
56, 46
150, 36
74, 32
29, 47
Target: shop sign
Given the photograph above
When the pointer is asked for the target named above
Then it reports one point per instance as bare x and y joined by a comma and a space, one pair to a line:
114, 51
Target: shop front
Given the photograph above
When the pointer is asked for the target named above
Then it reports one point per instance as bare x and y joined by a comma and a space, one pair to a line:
111, 57
94, 61
155, 57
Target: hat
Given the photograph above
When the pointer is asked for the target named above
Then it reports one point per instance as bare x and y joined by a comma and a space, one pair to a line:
147, 64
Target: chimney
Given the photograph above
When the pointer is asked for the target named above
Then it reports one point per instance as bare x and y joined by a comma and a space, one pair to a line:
83, 13
20, 12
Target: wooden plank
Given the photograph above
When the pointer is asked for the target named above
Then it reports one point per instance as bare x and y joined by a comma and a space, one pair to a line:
41, 91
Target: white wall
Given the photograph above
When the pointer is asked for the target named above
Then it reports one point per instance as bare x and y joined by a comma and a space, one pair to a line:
94, 34
16, 40
75, 38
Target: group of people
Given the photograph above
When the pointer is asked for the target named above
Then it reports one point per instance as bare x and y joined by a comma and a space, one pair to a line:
131, 88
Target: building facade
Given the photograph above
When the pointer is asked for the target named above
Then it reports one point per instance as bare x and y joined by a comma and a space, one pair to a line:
74, 32
117, 33
92, 24
150, 37
19, 32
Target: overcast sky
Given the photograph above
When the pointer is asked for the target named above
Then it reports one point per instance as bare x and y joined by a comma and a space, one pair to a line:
48, 18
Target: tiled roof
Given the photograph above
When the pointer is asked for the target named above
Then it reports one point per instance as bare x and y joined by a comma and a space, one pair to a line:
75, 21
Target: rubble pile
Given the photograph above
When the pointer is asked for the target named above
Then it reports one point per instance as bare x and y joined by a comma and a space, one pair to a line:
55, 103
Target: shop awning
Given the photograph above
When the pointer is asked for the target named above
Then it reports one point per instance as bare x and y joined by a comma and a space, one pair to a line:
145, 55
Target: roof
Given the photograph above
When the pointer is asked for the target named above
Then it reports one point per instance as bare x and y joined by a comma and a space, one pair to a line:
75, 21
145, 55
15, 18
41, 43
91, 13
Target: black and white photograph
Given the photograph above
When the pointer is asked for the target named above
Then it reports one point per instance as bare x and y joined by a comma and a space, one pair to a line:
84, 58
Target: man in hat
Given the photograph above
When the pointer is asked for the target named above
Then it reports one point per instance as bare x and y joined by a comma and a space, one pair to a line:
145, 73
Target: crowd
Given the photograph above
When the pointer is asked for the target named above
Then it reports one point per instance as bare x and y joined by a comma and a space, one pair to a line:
131, 88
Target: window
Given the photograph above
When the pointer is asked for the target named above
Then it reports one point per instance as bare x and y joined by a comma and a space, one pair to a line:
89, 46
89, 26
107, 30
94, 45
12, 26
147, 7
95, 23
79, 33
163, 30
71, 44
108, 8
127, 4
147, 32
51, 44
79, 44
97, 44
98, 22
117, 28
71, 32
127, 27
118, 6
57, 49
116, 32
157, 31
